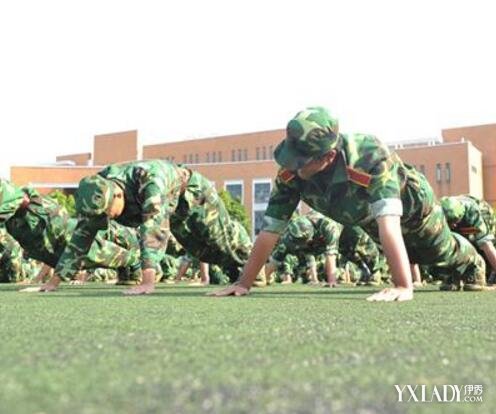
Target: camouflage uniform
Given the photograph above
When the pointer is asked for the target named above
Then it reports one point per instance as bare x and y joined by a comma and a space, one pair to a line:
43, 229
12, 269
202, 225
356, 247
364, 182
154, 193
171, 261
472, 218
216, 274
298, 267
306, 239
102, 274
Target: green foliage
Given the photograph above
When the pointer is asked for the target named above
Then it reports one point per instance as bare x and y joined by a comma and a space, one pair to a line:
65, 200
235, 209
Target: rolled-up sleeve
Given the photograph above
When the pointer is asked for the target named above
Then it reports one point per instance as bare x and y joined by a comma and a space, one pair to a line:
384, 189
282, 203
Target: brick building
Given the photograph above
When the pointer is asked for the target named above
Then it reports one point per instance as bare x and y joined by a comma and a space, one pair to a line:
243, 164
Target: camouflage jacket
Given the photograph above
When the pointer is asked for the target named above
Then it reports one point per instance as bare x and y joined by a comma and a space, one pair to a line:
364, 182
43, 228
356, 245
151, 193
477, 223
324, 242
37, 222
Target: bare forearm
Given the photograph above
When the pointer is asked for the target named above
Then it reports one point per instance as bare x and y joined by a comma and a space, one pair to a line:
148, 277
262, 248
330, 268
204, 275
490, 253
395, 250
269, 269
414, 268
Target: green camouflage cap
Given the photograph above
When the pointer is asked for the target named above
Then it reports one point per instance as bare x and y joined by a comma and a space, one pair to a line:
310, 134
301, 229
453, 209
93, 195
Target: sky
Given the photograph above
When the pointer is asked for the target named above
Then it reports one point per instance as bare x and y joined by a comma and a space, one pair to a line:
186, 69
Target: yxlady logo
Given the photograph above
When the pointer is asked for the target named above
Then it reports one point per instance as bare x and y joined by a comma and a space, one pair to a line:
439, 393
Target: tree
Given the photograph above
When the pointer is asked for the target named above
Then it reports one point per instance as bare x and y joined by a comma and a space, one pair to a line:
64, 200
236, 210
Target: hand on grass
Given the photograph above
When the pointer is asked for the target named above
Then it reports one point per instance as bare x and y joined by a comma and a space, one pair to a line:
392, 294
143, 289
30, 289
48, 287
233, 290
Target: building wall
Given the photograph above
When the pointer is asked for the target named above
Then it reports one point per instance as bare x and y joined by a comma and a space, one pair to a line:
47, 179
446, 167
451, 168
475, 172
77, 159
484, 138
230, 148
115, 148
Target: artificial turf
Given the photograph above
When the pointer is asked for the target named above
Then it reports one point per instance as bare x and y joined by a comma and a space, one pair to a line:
291, 349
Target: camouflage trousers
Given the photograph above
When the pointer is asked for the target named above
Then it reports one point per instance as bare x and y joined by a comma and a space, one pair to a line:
429, 240
362, 273
216, 274
115, 248
298, 268
11, 267
368, 266
201, 224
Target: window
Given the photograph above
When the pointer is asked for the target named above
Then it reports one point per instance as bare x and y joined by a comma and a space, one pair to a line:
233, 155
447, 167
271, 152
245, 154
422, 168
185, 159
208, 157
258, 153
214, 156
264, 153
261, 195
262, 192
235, 188
191, 158
219, 156
197, 159
240, 155
438, 173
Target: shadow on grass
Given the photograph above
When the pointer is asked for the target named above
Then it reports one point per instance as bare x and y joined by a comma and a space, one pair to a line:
190, 292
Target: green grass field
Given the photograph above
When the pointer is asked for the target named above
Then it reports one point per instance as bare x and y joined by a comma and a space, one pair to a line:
293, 349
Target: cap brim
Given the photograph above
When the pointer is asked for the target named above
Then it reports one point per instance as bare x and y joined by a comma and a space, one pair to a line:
287, 157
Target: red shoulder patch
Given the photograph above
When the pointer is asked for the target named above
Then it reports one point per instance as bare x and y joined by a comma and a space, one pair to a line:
285, 175
358, 177
467, 230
